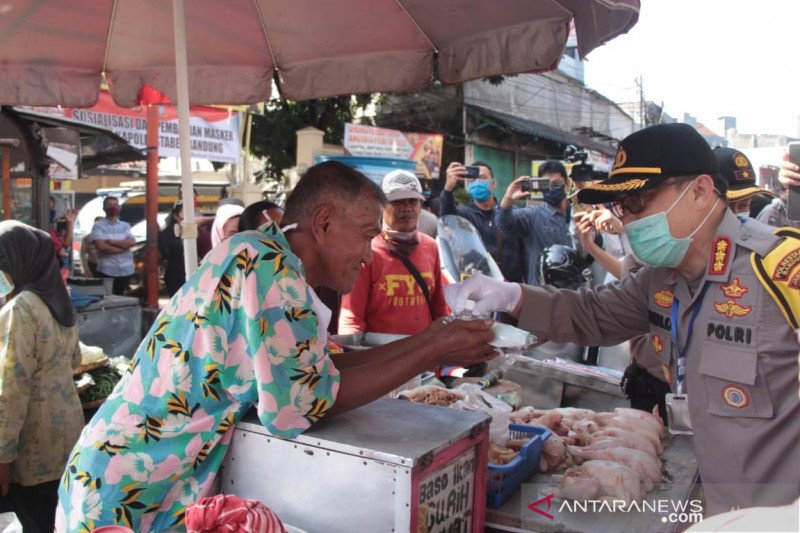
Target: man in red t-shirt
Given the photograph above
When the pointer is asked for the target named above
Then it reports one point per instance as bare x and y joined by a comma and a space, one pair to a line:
388, 296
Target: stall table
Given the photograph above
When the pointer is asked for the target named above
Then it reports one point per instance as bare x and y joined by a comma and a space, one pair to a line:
113, 323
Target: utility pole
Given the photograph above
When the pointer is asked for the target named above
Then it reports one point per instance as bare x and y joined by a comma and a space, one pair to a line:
640, 89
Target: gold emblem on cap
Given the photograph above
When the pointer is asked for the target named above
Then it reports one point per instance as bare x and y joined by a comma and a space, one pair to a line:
621, 158
616, 187
740, 161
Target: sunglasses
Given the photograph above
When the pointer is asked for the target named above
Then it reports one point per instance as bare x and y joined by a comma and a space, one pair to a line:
632, 203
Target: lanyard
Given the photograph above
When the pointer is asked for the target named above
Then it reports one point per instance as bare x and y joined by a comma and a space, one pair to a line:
674, 333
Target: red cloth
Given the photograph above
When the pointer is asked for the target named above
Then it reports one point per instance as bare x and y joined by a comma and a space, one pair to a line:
387, 299
229, 513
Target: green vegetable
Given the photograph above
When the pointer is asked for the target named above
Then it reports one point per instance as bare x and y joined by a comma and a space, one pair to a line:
105, 379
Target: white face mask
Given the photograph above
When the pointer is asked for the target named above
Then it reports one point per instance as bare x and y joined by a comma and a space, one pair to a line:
6, 285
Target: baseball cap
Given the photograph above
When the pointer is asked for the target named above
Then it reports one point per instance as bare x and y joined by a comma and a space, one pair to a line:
648, 157
736, 169
401, 185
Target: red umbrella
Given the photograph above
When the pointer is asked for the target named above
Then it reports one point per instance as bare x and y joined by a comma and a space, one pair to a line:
56, 51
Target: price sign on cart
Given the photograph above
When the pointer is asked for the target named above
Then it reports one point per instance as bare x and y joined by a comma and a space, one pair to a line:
445, 496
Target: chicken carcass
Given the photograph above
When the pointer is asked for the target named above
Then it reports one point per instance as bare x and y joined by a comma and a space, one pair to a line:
629, 438
638, 426
554, 453
647, 466
598, 479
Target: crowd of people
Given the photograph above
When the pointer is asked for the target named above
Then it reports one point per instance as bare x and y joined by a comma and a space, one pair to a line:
250, 328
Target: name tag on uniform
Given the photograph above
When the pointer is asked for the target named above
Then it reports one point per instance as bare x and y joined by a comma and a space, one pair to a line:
678, 414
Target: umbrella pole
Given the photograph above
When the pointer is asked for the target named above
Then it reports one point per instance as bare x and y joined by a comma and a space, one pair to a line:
151, 212
189, 226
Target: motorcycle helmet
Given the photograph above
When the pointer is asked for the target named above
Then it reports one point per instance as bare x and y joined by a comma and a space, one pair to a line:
562, 267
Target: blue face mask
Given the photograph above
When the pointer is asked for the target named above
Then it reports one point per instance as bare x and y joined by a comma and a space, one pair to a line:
6, 285
652, 242
555, 195
479, 190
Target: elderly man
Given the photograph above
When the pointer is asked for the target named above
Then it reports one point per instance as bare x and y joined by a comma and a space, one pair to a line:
400, 291
718, 299
245, 330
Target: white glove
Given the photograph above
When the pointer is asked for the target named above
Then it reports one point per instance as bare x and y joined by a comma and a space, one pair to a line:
488, 294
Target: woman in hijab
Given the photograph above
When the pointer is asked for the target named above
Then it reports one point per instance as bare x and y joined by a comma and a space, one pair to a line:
226, 223
40, 412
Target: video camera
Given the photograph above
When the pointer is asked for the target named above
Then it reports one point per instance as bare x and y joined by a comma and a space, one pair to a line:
581, 170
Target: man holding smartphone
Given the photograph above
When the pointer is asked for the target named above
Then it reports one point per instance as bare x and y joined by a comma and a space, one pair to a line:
479, 183
538, 226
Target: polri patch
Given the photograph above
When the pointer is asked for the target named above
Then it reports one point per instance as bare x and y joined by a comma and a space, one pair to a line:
735, 397
720, 255
663, 298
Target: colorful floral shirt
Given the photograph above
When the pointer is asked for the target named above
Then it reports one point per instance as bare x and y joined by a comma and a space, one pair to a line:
240, 332
40, 412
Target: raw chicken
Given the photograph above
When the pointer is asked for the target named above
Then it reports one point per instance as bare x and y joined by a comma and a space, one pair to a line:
597, 479
554, 453
628, 437
638, 426
647, 466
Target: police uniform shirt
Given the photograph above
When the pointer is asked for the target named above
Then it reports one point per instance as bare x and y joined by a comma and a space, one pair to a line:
742, 359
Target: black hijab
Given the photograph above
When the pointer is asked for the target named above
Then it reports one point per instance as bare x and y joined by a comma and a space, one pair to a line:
28, 256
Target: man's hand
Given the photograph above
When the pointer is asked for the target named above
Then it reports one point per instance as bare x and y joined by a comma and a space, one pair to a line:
605, 221
488, 294
69, 215
789, 174
585, 228
514, 192
4, 479
455, 172
462, 342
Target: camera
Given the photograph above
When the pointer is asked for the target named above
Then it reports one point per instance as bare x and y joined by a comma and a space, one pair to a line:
581, 170
473, 172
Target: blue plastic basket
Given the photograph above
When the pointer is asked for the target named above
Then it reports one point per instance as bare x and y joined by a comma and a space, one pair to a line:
505, 480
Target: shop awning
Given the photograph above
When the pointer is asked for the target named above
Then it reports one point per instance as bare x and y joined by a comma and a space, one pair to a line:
536, 129
99, 146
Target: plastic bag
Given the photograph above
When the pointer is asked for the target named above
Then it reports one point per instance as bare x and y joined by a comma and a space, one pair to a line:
476, 399
9, 523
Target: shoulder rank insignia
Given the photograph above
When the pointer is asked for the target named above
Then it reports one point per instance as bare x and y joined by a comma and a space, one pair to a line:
720, 255
779, 274
663, 298
735, 289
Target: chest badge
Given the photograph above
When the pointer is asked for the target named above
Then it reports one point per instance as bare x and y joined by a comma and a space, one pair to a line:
735, 289
735, 397
732, 309
663, 298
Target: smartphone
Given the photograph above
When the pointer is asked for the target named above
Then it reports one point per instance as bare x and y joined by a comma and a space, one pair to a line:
535, 185
793, 202
473, 172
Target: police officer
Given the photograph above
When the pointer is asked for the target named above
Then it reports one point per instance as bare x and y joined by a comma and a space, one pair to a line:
736, 169
718, 299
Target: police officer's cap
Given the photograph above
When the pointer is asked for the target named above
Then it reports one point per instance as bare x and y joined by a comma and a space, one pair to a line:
648, 157
736, 169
